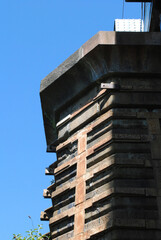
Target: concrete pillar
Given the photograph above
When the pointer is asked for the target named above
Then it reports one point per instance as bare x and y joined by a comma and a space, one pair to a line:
102, 111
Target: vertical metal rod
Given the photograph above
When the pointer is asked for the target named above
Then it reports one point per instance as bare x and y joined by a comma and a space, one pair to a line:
142, 10
141, 16
123, 10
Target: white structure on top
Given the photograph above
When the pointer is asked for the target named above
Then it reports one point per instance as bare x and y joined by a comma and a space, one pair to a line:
129, 25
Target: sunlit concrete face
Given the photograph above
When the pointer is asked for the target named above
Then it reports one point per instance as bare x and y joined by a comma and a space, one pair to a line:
107, 139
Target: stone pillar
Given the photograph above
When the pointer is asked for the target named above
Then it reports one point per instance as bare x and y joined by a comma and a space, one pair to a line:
102, 111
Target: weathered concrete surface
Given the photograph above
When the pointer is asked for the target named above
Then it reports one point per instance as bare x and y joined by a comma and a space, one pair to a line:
106, 54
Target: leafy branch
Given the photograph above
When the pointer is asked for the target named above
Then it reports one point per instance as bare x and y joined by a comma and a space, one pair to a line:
32, 235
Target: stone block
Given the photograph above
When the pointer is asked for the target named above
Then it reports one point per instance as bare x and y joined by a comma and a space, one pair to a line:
81, 166
44, 216
154, 126
155, 147
79, 223
80, 192
46, 193
84, 117
82, 142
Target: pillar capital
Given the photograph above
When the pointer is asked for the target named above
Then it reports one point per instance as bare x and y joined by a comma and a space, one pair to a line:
105, 54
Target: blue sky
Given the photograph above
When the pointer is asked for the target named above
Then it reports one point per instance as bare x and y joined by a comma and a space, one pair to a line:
37, 36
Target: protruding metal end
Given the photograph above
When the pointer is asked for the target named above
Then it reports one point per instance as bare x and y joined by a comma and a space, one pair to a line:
111, 85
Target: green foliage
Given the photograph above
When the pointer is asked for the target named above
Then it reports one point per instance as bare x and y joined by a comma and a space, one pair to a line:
32, 235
